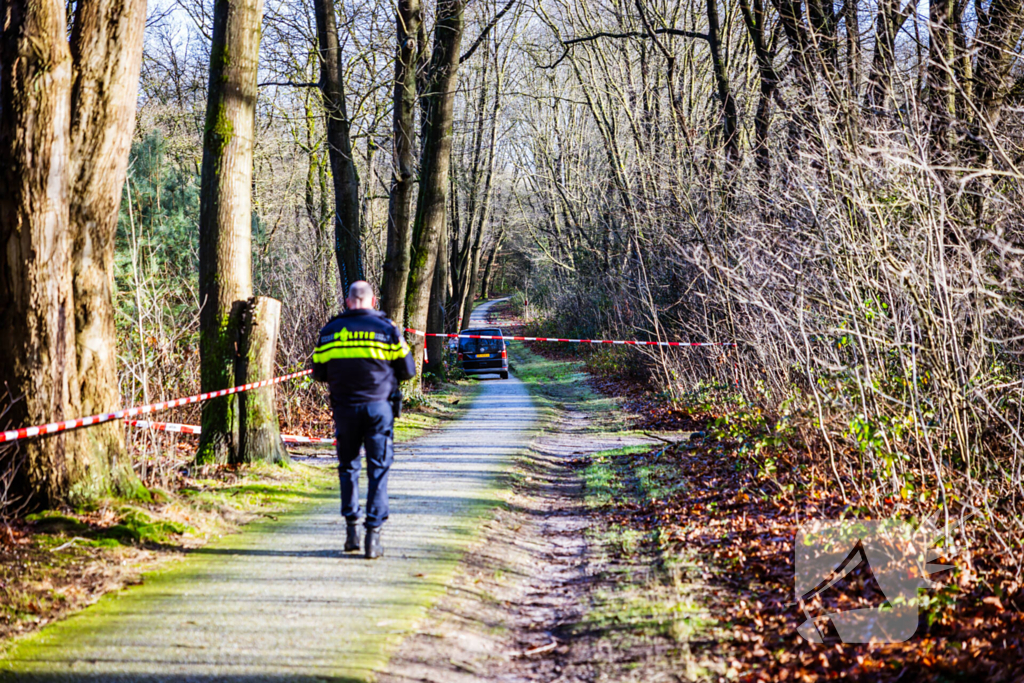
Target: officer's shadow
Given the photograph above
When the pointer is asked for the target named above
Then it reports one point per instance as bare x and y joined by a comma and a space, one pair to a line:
324, 553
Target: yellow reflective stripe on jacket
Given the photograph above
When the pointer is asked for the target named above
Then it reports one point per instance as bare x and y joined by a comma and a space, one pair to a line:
352, 344
360, 349
353, 352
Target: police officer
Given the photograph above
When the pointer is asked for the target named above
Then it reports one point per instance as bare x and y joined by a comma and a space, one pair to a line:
362, 356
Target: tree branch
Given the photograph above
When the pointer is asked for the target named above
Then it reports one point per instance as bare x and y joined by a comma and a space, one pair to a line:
487, 29
637, 34
651, 33
292, 84
568, 44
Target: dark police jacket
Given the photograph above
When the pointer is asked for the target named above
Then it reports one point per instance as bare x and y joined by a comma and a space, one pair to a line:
362, 356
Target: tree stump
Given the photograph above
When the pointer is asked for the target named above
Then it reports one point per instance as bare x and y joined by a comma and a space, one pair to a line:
260, 432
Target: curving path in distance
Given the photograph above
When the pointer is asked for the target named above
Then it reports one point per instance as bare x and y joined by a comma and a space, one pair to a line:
280, 601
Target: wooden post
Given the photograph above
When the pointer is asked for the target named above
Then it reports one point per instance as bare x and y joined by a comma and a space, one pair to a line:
259, 433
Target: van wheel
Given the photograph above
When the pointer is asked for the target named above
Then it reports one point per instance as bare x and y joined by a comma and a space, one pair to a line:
504, 375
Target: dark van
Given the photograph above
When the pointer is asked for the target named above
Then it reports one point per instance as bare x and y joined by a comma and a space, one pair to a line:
483, 356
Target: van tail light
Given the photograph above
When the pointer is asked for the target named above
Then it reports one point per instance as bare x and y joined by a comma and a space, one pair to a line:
460, 355
504, 354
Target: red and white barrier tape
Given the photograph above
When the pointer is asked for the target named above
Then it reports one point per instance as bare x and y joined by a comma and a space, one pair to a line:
570, 341
196, 429
55, 427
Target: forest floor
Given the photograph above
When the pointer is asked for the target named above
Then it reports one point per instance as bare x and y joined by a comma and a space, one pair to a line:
642, 542
56, 562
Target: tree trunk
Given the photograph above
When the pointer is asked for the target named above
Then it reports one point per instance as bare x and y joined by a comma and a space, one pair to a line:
754, 18
802, 117
453, 307
888, 22
106, 48
397, 259
485, 289
485, 206
432, 201
942, 92
260, 433
225, 215
37, 316
473, 277
998, 30
730, 117
347, 234
438, 302
963, 68
853, 54
475, 199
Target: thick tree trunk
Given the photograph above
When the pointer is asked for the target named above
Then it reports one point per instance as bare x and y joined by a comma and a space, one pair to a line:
225, 215
37, 314
347, 234
397, 259
963, 68
432, 201
106, 48
260, 433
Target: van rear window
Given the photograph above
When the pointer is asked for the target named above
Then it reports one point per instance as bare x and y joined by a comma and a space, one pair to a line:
467, 345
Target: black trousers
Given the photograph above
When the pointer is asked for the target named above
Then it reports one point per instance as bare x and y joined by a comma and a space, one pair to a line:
370, 425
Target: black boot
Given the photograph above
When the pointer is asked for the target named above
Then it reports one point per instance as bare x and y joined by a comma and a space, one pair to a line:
351, 538
374, 549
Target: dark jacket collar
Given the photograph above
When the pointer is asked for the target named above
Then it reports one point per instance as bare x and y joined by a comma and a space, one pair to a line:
356, 312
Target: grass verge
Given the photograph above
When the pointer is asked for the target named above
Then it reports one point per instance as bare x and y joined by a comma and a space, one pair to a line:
646, 593
640, 601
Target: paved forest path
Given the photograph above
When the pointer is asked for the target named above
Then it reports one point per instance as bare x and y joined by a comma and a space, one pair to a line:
280, 601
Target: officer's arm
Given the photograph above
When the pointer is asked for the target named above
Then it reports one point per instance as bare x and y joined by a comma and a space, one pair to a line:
403, 364
319, 363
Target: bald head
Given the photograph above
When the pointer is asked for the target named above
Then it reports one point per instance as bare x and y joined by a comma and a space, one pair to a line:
360, 295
